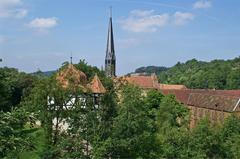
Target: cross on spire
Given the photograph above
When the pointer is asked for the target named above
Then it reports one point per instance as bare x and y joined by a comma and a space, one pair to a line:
71, 58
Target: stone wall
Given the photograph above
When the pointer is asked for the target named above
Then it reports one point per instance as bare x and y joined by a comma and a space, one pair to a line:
215, 116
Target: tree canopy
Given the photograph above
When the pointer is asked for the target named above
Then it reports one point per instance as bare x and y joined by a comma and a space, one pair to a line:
124, 123
216, 74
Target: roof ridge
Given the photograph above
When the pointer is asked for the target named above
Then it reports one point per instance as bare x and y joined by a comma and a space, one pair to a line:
215, 95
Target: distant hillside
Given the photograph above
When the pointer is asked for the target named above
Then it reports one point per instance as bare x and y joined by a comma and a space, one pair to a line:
151, 69
217, 74
46, 73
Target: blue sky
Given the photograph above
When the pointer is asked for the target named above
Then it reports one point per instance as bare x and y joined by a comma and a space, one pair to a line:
41, 34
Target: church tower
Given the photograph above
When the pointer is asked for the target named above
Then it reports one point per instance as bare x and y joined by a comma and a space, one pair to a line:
110, 59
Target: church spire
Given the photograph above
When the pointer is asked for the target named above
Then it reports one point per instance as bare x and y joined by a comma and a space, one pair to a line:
110, 59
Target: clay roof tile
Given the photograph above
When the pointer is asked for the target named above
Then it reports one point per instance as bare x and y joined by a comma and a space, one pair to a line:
96, 86
71, 76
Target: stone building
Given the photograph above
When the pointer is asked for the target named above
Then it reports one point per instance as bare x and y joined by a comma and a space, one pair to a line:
214, 104
215, 107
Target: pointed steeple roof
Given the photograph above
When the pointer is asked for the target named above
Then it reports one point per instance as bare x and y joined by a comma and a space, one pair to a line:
96, 86
70, 76
110, 52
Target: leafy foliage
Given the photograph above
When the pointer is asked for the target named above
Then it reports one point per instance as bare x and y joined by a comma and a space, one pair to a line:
125, 123
13, 134
218, 74
14, 86
132, 135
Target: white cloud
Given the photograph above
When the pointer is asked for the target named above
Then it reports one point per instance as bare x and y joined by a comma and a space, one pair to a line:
147, 21
12, 8
202, 4
43, 24
181, 18
144, 21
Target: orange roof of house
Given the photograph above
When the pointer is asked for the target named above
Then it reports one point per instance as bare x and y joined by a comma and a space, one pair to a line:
150, 82
96, 85
71, 76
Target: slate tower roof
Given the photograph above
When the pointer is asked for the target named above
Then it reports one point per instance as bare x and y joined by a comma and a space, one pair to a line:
110, 59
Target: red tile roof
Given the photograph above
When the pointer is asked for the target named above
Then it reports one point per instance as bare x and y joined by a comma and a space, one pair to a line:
71, 76
181, 95
145, 82
216, 102
195, 97
96, 86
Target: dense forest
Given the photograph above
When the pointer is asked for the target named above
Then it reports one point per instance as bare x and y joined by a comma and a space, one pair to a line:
135, 126
216, 74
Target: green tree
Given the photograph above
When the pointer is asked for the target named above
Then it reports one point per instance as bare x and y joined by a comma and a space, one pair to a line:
218, 74
233, 79
229, 135
89, 70
172, 113
153, 102
14, 86
204, 142
132, 129
172, 128
48, 102
14, 136
107, 111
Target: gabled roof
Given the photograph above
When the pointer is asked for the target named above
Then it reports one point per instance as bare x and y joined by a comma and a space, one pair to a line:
216, 102
206, 98
149, 82
145, 82
96, 86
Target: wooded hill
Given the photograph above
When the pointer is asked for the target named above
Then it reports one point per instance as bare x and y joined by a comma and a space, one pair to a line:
218, 74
